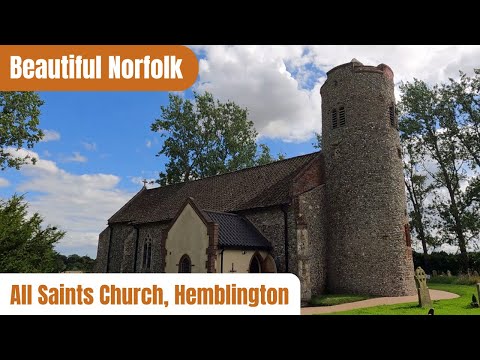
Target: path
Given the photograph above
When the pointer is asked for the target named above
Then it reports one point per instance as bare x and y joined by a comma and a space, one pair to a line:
434, 295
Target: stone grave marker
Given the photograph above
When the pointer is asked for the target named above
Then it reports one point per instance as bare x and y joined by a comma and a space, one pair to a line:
475, 273
422, 289
449, 273
478, 290
434, 273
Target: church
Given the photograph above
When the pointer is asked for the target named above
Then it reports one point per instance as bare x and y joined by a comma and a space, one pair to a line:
336, 218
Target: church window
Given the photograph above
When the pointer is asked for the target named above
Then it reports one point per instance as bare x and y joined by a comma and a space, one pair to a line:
408, 238
185, 264
334, 119
147, 253
391, 111
341, 112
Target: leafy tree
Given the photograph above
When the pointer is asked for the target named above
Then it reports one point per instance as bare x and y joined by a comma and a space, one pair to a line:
25, 245
417, 193
264, 157
318, 141
74, 262
465, 95
431, 122
206, 137
19, 120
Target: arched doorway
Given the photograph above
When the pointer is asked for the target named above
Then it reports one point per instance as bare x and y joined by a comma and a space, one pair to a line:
185, 264
268, 265
255, 264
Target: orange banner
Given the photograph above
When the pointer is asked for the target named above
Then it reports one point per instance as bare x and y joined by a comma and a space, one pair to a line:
97, 67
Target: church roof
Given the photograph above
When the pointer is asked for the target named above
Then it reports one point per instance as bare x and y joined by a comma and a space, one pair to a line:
235, 231
255, 187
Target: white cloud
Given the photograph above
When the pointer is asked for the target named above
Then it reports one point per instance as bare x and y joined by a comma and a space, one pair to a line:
76, 157
50, 135
78, 204
148, 143
4, 182
89, 146
280, 84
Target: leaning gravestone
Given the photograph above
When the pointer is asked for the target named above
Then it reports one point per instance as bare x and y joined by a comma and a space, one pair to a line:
434, 273
449, 273
422, 289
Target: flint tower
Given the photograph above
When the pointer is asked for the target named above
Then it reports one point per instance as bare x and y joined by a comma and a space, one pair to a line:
369, 249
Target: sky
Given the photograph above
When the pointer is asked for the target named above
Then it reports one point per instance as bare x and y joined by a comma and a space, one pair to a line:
98, 146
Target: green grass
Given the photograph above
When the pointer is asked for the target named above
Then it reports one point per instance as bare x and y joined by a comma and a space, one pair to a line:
458, 306
335, 299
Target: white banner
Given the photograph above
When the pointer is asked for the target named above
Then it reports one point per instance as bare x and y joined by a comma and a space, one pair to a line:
149, 294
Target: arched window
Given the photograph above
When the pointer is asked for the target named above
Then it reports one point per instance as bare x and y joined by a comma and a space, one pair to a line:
334, 119
391, 114
185, 264
341, 113
338, 117
147, 253
255, 266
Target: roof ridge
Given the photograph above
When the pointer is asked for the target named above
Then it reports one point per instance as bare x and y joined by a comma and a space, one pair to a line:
237, 171
221, 212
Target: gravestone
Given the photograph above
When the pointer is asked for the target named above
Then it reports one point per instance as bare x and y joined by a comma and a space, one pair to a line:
475, 273
478, 290
449, 273
434, 273
422, 289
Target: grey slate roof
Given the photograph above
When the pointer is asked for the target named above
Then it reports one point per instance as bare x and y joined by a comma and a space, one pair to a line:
237, 232
254, 187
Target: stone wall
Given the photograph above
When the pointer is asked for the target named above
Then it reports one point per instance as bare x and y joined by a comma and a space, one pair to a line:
270, 222
102, 251
129, 251
312, 242
364, 183
120, 232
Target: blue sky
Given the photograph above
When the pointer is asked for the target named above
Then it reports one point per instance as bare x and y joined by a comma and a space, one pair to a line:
98, 145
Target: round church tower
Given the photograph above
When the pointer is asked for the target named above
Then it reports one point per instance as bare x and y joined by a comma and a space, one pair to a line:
368, 238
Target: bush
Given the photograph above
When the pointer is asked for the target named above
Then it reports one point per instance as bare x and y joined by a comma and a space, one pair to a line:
442, 261
458, 280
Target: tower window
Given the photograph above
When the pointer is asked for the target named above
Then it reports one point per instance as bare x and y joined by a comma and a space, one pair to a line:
147, 253
408, 239
342, 116
392, 115
334, 119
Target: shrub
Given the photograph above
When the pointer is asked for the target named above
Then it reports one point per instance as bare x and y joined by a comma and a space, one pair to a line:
442, 261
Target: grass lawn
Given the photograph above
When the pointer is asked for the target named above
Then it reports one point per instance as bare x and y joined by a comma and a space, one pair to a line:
335, 299
458, 306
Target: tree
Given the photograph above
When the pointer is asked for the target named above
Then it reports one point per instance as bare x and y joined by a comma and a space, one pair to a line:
265, 157
206, 137
430, 116
465, 94
25, 245
417, 193
19, 120
318, 141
